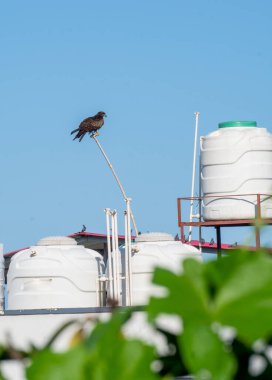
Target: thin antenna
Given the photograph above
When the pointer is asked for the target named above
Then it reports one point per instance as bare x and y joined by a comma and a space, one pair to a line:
127, 199
193, 175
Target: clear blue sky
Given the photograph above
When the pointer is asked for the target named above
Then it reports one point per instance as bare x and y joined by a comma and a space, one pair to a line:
149, 65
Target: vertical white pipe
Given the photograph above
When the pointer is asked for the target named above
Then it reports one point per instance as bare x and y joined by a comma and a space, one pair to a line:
193, 175
110, 275
97, 292
129, 252
113, 258
199, 206
117, 258
2, 280
126, 262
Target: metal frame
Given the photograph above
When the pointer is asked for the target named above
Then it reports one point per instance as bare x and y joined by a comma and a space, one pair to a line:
78, 310
217, 224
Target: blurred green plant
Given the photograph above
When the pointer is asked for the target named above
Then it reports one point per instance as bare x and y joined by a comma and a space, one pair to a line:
225, 307
104, 353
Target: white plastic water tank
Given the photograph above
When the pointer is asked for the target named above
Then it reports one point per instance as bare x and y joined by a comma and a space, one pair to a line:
151, 250
2, 279
55, 273
236, 159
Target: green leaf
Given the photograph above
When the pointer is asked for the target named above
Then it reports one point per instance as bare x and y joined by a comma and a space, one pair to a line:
243, 296
104, 332
172, 362
234, 291
55, 366
1, 376
205, 354
113, 356
121, 361
187, 293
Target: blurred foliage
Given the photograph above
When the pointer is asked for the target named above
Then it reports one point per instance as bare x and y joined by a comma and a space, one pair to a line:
225, 306
225, 309
104, 353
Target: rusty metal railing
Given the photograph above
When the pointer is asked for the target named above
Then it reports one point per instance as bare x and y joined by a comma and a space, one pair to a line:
257, 221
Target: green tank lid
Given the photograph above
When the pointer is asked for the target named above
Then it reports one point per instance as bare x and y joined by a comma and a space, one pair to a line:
227, 124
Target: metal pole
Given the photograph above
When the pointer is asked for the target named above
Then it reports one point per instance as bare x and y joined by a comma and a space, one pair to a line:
218, 241
113, 258
117, 262
199, 207
117, 179
193, 175
258, 222
126, 263
110, 275
129, 251
180, 222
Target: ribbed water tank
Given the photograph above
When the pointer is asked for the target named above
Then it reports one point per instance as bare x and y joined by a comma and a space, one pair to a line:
151, 250
55, 273
2, 279
236, 162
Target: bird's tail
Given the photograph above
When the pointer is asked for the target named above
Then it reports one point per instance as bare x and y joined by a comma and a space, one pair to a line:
81, 137
74, 131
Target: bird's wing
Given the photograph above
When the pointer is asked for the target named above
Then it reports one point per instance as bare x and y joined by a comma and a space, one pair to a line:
86, 121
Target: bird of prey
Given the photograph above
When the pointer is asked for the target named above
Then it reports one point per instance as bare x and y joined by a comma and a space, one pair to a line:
89, 125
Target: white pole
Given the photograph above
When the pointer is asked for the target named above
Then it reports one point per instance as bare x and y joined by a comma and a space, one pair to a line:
117, 262
110, 275
129, 251
199, 207
113, 258
117, 179
97, 292
193, 175
126, 261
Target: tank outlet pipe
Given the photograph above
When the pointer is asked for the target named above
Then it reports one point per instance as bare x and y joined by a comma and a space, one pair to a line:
193, 175
117, 179
110, 273
2, 280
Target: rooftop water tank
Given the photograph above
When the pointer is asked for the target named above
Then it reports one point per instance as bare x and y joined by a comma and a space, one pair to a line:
236, 161
151, 250
55, 273
2, 280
